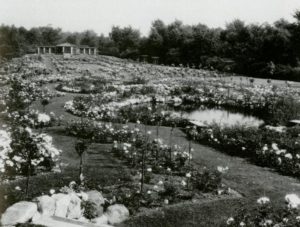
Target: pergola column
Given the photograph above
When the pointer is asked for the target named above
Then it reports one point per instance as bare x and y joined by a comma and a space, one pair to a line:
144, 57
38, 50
44, 50
49, 50
95, 51
89, 51
63, 50
155, 60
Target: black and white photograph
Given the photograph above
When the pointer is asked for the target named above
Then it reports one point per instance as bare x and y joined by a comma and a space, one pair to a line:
150, 113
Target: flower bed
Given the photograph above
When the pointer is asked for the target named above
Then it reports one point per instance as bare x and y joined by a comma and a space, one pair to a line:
266, 214
265, 101
270, 104
24, 152
98, 132
165, 174
265, 147
161, 174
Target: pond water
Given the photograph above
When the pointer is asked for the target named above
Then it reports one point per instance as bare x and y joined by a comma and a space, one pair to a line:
220, 116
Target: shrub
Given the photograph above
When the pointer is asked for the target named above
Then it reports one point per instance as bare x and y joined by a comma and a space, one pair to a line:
278, 150
30, 152
287, 73
207, 180
283, 110
265, 214
136, 80
97, 132
89, 210
170, 189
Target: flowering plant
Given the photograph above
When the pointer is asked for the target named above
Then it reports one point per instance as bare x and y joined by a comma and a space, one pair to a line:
27, 152
265, 214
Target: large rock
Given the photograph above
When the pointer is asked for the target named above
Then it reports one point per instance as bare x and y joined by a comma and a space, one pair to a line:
97, 201
101, 220
83, 219
74, 208
20, 212
117, 213
36, 217
64, 222
46, 205
62, 202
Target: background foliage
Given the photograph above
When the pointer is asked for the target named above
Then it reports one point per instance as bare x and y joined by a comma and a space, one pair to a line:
260, 50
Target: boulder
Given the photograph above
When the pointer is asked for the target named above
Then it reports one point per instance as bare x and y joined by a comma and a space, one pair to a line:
100, 220
36, 217
20, 212
74, 208
62, 202
95, 197
117, 213
46, 205
83, 219
97, 201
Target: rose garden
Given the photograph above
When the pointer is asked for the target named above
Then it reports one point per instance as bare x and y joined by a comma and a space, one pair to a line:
104, 141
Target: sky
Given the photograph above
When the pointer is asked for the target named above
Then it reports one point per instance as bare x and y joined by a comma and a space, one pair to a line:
101, 15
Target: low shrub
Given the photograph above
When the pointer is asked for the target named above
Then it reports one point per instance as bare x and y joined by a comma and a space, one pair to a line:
206, 180
98, 132
264, 213
265, 147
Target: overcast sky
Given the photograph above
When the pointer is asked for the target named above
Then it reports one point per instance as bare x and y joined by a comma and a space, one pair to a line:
100, 15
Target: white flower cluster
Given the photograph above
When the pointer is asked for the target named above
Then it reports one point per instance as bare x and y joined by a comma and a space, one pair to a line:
46, 147
263, 200
43, 143
33, 118
280, 154
43, 118
222, 169
292, 200
71, 89
5, 149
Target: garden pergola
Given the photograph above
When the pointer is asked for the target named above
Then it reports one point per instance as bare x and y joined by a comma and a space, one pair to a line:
67, 48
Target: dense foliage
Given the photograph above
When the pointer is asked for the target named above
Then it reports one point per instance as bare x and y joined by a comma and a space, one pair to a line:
263, 50
263, 146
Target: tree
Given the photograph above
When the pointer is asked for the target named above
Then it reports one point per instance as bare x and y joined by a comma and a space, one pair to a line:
295, 36
9, 44
29, 152
106, 46
49, 35
126, 39
155, 41
72, 38
89, 38
81, 147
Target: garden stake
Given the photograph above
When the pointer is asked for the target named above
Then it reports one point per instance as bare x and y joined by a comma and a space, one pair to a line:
28, 173
143, 170
157, 130
80, 148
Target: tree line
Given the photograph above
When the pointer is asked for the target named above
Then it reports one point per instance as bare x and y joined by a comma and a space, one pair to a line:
260, 50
